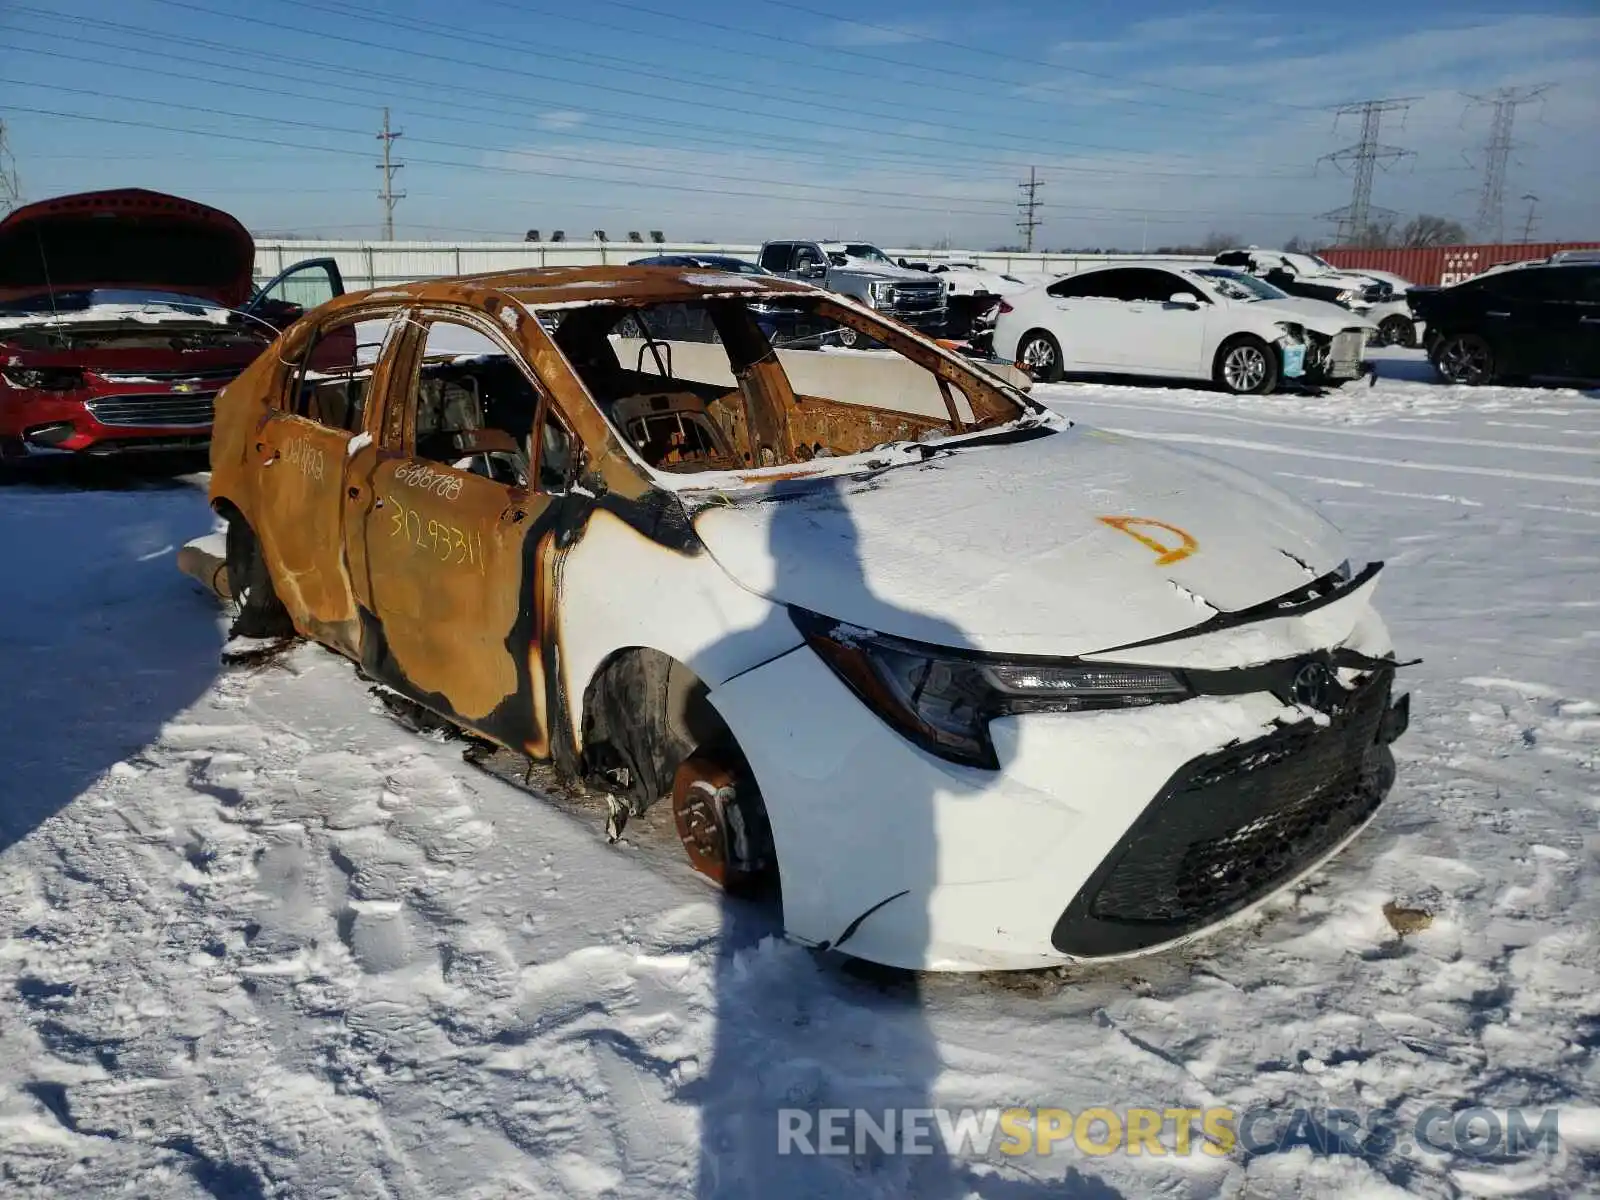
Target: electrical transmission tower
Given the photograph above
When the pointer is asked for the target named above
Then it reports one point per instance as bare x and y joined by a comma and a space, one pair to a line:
389, 196
10, 186
1029, 207
1491, 219
1355, 218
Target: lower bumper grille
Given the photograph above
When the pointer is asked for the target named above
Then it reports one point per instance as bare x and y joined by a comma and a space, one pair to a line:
1230, 827
1344, 355
162, 410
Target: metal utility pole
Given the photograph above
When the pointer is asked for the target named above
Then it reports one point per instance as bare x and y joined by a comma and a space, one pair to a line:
1029, 207
1355, 218
1491, 219
1527, 226
389, 196
10, 186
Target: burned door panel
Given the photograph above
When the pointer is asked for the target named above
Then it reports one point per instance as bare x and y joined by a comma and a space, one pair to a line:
445, 558
448, 583
302, 451
298, 521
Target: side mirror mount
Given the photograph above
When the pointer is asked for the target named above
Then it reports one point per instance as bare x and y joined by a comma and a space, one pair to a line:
1184, 299
816, 270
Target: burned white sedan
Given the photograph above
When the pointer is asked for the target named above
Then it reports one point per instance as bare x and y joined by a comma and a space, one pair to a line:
977, 686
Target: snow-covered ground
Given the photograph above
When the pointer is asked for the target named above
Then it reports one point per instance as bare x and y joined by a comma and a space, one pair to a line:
258, 940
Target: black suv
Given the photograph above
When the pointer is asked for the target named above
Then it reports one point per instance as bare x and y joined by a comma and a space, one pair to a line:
1541, 320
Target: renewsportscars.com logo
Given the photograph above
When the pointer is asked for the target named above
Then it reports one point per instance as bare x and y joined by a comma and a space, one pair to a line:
1167, 1132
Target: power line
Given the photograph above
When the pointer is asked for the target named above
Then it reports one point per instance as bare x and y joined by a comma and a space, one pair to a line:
987, 138
1355, 218
1029, 207
10, 185
388, 195
620, 119
697, 209
465, 165
966, 48
1491, 219
940, 201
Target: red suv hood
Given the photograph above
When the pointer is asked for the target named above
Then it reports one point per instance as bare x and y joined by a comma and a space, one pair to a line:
126, 238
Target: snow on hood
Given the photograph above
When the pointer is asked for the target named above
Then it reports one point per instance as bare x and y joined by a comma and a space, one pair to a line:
884, 270
1324, 316
965, 280
1006, 548
103, 307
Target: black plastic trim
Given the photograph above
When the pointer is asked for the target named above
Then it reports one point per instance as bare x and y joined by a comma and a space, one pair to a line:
1218, 809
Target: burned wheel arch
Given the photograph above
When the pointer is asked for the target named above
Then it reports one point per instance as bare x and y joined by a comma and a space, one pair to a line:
644, 714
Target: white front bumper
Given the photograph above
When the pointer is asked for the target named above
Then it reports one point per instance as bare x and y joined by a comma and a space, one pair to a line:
916, 862
954, 868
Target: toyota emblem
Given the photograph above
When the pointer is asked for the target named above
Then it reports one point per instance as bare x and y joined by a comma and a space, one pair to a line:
1313, 686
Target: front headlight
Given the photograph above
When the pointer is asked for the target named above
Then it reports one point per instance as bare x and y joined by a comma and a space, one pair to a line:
943, 700
44, 379
882, 294
1345, 296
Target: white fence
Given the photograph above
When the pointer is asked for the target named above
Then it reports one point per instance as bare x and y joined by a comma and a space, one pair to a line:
376, 264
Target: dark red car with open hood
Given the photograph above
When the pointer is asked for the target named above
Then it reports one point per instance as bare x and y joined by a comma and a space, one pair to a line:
123, 313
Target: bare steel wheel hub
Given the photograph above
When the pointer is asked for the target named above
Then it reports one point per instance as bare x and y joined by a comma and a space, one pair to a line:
720, 822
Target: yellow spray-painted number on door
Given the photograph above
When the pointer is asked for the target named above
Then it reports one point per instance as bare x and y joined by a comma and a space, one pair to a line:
1165, 555
448, 543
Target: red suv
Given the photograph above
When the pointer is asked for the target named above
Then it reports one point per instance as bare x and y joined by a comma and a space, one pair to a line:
123, 313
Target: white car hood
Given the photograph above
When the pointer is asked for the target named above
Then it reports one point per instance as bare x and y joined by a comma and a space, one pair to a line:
1003, 548
1321, 315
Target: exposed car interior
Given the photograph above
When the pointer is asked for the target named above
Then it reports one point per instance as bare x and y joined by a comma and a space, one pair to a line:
699, 386
476, 412
336, 374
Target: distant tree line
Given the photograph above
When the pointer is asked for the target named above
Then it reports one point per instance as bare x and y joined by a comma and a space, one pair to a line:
1425, 229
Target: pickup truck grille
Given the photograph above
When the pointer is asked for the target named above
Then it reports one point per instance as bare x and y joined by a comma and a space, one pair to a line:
162, 410
917, 297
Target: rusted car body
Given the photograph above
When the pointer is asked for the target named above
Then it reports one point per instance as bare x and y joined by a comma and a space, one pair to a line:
462, 486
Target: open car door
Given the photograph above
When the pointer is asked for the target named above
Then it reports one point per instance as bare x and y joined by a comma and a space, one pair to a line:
294, 291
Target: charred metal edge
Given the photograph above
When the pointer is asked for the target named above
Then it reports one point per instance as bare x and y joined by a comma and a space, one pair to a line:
1280, 606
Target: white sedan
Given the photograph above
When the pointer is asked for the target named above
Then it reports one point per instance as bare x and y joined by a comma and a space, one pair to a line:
1182, 321
968, 685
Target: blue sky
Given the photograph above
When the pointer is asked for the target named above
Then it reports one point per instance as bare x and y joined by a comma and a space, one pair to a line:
902, 123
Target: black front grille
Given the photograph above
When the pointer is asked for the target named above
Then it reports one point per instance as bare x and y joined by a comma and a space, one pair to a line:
1230, 827
918, 295
165, 409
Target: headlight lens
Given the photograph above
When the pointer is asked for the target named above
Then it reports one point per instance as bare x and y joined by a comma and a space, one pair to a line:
882, 293
944, 703
1345, 296
44, 379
